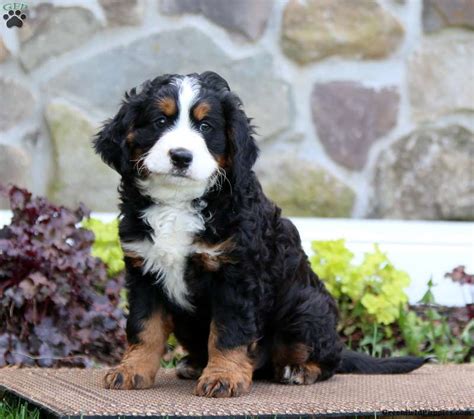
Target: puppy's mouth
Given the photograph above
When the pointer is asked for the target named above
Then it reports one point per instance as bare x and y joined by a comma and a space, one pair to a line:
175, 176
180, 174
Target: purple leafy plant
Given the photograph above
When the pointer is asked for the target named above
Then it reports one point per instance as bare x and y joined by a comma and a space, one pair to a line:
57, 304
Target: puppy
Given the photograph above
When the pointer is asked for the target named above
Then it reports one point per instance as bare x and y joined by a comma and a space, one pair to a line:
208, 256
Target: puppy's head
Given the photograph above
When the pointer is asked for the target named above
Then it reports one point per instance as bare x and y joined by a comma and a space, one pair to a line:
178, 135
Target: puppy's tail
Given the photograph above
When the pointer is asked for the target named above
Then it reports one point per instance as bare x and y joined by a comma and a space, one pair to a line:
358, 363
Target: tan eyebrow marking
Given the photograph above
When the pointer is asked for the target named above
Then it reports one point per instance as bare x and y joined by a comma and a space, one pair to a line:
167, 105
201, 111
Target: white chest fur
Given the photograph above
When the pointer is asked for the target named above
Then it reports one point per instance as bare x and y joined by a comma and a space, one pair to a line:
174, 228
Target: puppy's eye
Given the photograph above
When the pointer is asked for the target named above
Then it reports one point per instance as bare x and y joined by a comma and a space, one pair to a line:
161, 122
204, 127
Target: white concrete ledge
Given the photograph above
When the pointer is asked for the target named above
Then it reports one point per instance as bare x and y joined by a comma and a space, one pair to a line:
424, 249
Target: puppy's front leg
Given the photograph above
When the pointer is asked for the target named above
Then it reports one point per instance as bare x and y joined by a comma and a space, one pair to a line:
228, 372
148, 328
233, 328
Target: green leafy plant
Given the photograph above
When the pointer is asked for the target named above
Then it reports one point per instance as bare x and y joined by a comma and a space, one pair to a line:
15, 409
432, 334
369, 294
106, 244
374, 313
107, 248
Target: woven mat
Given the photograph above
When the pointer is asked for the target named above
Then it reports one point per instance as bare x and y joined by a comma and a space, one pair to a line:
78, 393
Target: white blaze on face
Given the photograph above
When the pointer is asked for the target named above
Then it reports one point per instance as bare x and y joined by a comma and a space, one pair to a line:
181, 135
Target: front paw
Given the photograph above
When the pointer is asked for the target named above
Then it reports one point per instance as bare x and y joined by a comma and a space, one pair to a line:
126, 378
222, 384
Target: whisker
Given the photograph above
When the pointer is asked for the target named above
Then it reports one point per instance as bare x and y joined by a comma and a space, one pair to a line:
217, 179
139, 163
224, 178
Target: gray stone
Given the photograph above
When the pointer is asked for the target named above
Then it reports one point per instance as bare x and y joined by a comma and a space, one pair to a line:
349, 118
247, 17
80, 175
17, 103
427, 175
177, 7
315, 29
441, 77
302, 188
123, 12
50, 31
96, 81
14, 169
440, 14
4, 53
33, 139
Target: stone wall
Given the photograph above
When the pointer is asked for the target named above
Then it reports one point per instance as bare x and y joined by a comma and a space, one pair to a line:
364, 108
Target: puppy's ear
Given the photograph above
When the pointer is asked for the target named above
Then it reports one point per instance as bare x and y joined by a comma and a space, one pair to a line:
109, 143
243, 150
213, 81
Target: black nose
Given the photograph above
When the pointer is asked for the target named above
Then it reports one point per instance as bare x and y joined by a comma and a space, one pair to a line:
181, 157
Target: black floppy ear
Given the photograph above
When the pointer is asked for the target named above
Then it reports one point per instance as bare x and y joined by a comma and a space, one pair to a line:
109, 143
243, 150
213, 81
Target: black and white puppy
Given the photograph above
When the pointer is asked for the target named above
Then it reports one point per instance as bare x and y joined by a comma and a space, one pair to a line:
208, 255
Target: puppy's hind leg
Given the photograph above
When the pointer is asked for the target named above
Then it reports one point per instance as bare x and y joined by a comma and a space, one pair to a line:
306, 345
292, 365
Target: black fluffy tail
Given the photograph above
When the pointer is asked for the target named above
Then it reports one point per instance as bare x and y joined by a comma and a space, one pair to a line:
357, 363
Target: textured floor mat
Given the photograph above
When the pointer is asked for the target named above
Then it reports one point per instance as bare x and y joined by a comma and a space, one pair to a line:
430, 390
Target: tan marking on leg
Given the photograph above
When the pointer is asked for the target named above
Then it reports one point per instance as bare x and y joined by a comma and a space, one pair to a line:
201, 110
291, 364
307, 373
142, 360
167, 105
294, 354
228, 372
312, 372
287, 359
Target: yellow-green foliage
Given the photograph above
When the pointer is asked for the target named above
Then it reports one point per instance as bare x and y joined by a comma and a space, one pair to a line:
372, 291
106, 245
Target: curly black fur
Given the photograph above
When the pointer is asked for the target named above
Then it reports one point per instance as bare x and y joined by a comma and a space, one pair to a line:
263, 294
